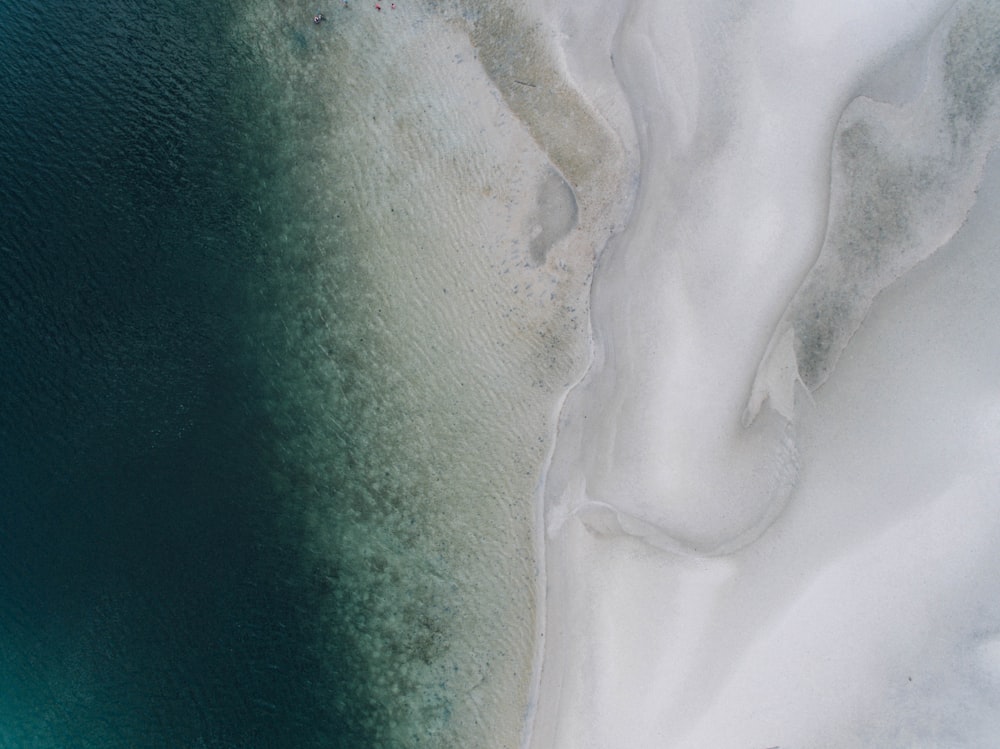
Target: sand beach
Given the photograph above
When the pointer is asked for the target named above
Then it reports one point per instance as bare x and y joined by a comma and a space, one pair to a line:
500, 374
769, 519
679, 327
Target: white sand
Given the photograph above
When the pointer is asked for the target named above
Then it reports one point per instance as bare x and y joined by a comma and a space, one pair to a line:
817, 578
820, 577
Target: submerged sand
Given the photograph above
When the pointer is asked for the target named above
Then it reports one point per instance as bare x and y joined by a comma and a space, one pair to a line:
455, 191
769, 513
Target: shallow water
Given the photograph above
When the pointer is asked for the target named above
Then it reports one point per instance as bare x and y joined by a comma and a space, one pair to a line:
278, 377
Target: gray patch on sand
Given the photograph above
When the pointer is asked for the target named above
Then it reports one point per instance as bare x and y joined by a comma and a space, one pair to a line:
554, 217
904, 178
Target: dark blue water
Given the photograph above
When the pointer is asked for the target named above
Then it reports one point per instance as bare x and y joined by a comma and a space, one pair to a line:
151, 590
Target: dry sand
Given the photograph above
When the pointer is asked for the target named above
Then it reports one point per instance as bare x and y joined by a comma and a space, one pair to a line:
770, 518
769, 515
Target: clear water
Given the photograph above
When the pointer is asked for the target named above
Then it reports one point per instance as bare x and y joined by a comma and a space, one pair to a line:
152, 593
277, 369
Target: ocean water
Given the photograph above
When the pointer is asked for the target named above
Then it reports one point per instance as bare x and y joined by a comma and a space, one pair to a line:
281, 349
150, 595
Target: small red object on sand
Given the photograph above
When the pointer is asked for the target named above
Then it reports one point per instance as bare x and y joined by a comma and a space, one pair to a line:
378, 7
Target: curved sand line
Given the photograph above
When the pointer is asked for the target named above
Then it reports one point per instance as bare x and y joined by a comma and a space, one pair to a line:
736, 112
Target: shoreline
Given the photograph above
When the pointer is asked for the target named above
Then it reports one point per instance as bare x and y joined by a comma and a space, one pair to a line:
592, 77
429, 164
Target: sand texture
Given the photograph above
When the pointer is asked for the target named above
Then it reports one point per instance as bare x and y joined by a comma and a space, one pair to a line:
770, 516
